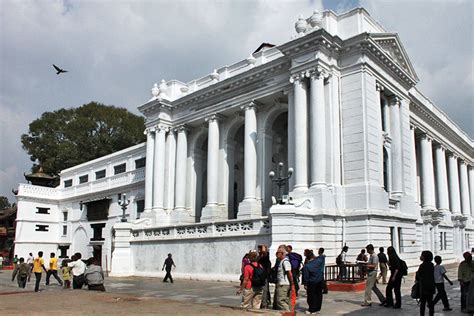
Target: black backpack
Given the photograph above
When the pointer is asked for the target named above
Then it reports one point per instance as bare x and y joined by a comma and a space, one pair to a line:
259, 276
403, 267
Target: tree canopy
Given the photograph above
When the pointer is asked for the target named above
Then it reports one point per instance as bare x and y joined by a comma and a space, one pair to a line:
4, 203
67, 137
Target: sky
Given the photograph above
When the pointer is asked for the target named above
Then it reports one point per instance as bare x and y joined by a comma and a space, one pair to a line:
115, 51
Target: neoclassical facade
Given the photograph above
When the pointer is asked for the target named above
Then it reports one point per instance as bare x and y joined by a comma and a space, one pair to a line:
374, 160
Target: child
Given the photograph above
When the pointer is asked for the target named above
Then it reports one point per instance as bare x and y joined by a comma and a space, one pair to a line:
66, 271
440, 275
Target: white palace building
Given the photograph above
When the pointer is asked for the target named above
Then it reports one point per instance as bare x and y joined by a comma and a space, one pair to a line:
374, 162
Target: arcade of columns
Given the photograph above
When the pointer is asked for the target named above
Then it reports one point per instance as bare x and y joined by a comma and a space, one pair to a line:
167, 152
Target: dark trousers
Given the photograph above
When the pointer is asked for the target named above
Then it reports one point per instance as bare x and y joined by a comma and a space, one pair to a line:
441, 295
38, 280
168, 275
21, 281
55, 274
314, 296
342, 272
96, 287
77, 281
266, 296
393, 286
296, 279
464, 290
424, 299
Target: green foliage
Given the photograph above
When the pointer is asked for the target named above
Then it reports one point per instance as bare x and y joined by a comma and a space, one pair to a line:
4, 203
68, 137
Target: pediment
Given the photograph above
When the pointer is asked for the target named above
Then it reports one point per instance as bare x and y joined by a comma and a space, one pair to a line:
391, 44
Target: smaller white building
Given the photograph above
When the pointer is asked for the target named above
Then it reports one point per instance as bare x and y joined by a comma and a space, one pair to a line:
78, 215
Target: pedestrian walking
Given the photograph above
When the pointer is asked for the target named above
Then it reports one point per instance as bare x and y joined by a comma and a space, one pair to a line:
295, 261
264, 260
15, 261
439, 276
38, 267
94, 276
22, 272
371, 285
382, 265
30, 262
168, 264
78, 267
66, 273
253, 284
465, 274
53, 269
313, 278
284, 281
341, 262
425, 277
395, 281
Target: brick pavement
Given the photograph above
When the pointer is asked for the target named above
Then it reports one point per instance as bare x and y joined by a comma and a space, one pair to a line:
150, 295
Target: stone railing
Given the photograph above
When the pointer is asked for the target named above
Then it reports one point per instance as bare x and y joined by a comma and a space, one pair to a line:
37, 191
228, 228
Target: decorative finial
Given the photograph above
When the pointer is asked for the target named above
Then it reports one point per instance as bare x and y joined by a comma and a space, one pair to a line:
163, 88
214, 75
315, 20
301, 25
155, 91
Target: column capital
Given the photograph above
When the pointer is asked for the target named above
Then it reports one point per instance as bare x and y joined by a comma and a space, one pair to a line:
183, 128
395, 100
317, 73
149, 130
214, 117
379, 87
161, 128
248, 105
297, 77
452, 155
426, 136
439, 146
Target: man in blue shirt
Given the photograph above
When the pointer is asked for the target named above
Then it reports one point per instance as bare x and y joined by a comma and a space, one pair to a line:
313, 277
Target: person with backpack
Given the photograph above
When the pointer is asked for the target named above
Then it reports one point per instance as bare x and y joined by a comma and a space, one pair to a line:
253, 283
397, 271
22, 273
295, 260
313, 279
284, 281
341, 263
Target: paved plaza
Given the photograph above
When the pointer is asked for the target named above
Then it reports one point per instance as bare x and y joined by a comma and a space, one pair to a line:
184, 297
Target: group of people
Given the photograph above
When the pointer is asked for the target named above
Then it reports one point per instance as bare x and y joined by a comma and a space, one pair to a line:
79, 271
258, 273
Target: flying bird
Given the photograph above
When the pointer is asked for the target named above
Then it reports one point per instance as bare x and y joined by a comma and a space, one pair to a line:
58, 70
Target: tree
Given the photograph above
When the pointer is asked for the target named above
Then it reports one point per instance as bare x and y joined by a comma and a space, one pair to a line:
4, 203
67, 137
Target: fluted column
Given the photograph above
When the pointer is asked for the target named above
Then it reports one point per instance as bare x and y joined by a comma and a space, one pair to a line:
317, 127
159, 168
441, 179
300, 133
465, 203
181, 162
150, 148
291, 137
211, 211
471, 187
453, 184
170, 171
396, 147
250, 152
427, 176
414, 175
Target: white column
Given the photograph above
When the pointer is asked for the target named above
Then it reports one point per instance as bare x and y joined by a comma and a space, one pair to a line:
150, 147
396, 147
211, 211
471, 187
170, 171
453, 183
300, 133
441, 179
414, 177
250, 152
291, 137
427, 175
317, 127
465, 203
159, 169
181, 162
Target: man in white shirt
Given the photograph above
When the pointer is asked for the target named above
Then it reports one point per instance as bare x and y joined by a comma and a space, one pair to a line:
78, 269
284, 281
30, 261
370, 286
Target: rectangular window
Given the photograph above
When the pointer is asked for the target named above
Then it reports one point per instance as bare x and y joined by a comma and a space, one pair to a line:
42, 228
63, 250
98, 210
100, 174
68, 183
64, 216
445, 241
140, 207
83, 179
392, 236
97, 228
400, 240
42, 210
119, 168
140, 163
64, 230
